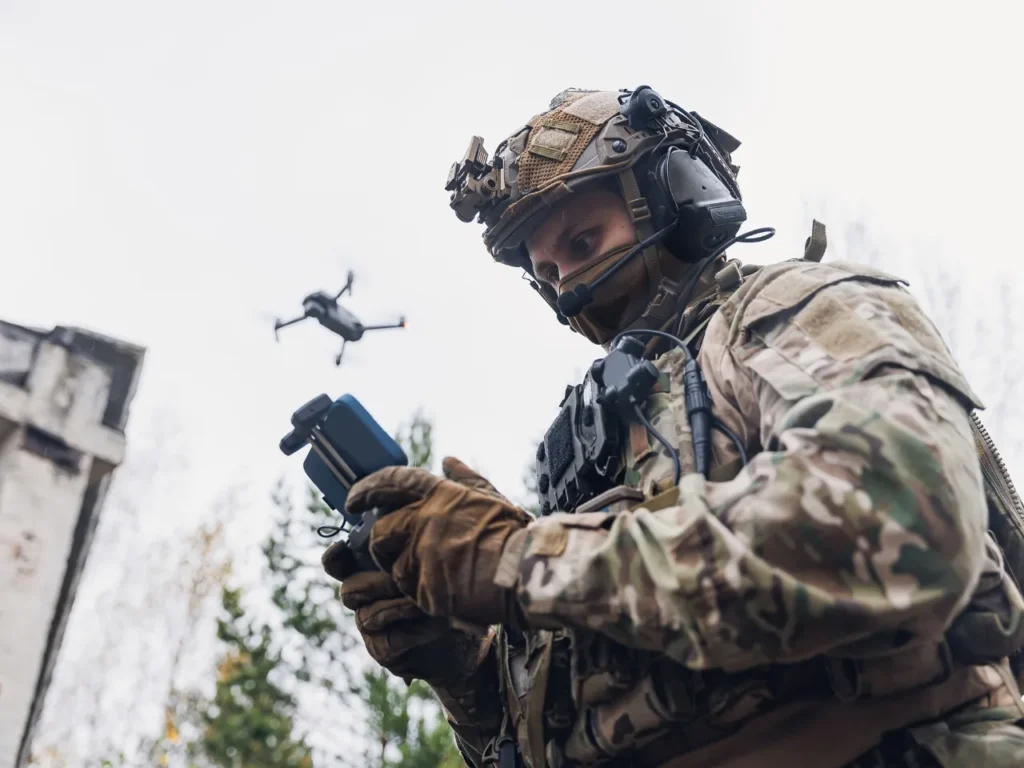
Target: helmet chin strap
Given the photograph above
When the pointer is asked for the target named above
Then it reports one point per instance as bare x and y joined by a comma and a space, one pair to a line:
660, 311
643, 223
664, 311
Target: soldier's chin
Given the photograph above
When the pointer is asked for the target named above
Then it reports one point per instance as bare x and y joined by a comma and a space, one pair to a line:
611, 314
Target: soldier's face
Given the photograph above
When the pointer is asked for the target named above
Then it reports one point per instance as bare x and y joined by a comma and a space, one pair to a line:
582, 228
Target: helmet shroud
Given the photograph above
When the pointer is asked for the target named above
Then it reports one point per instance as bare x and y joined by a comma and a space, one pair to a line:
586, 137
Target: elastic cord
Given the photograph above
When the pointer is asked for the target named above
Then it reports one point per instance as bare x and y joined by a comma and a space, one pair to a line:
752, 236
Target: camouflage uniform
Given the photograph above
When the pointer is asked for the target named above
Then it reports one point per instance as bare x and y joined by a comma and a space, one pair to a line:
798, 608
840, 600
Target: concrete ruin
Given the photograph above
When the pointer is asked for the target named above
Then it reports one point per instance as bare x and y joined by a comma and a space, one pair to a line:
64, 398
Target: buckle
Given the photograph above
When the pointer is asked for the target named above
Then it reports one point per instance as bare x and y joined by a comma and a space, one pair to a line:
500, 752
639, 210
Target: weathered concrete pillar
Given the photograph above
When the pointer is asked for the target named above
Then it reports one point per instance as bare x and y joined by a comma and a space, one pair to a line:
64, 397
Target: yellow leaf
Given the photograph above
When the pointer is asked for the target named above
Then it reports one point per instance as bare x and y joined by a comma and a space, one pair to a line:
230, 664
170, 730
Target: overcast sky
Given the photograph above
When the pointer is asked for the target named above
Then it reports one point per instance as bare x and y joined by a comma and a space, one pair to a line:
178, 174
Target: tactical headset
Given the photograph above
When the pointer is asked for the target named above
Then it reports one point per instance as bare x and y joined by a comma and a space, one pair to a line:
691, 193
682, 193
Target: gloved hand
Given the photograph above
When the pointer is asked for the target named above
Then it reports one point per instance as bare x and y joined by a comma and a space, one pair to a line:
403, 639
441, 539
398, 635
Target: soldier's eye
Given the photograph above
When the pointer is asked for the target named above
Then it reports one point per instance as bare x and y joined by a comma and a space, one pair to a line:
582, 245
548, 273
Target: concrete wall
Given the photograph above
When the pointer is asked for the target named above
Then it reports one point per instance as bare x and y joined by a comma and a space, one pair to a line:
64, 397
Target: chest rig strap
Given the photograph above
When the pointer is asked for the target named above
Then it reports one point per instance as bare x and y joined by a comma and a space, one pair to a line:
502, 751
522, 736
639, 446
536, 701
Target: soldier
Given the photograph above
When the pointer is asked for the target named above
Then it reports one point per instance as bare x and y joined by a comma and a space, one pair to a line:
831, 582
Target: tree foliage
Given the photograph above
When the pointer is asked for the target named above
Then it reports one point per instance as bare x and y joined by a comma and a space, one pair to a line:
252, 718
295, 687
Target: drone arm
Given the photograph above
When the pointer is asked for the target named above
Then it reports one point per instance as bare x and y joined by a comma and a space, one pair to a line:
399, 324
279, 325
347, 287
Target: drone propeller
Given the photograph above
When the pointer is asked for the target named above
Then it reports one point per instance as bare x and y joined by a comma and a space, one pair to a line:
347, 287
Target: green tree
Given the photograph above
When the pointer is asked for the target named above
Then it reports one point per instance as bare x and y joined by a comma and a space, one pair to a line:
429, 742
251, 720
297, 688
298, 659
406, 725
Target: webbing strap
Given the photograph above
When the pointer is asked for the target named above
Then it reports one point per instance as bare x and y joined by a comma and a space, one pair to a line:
506, 690
535, 700
640, 213
814, 246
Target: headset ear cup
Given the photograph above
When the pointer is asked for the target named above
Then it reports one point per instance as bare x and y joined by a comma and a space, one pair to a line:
707, 210
663, 205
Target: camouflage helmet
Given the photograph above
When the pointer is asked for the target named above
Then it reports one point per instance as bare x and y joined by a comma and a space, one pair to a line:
585, 136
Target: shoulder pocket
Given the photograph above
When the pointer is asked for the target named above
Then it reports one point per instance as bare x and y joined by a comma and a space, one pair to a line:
791, 289
835, 325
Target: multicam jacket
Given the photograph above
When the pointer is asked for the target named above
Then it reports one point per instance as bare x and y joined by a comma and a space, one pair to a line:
806, 604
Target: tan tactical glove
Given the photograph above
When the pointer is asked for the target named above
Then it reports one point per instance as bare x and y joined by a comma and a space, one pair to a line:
403, 639
441, 539
398, 635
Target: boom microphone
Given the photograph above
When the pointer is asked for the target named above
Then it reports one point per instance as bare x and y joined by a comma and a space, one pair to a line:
571, 303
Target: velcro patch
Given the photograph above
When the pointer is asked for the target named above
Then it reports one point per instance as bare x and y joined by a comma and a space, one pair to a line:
838, 330
595, 108
784, 287
553, 141
547, 540
789, 380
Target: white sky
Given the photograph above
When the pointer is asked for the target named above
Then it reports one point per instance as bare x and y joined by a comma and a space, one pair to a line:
178, 174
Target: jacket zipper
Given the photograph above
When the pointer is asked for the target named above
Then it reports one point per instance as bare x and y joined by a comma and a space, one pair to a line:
994, 470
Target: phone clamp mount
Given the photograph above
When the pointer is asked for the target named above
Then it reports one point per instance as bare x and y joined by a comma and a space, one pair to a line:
346, 444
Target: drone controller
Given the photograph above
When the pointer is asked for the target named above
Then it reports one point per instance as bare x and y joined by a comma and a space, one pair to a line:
346, 444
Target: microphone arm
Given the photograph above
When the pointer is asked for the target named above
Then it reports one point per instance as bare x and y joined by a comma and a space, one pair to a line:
572, 302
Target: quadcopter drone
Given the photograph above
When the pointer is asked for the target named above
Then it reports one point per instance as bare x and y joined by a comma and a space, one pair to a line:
324, 308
